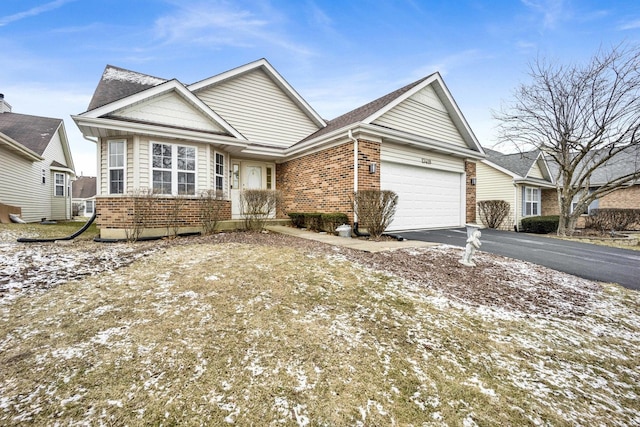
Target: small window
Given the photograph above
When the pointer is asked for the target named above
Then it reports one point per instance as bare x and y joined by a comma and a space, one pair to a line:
220, 171
44, 176
531, 201
116, 167
59, 184
235, 176
269, 178
89, 207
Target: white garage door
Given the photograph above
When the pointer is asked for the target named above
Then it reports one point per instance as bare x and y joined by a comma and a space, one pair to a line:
427, 198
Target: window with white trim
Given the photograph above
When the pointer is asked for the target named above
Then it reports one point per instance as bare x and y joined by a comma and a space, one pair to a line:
59, 184
116, 160
173, 169
219, 175
89, 206
531, 201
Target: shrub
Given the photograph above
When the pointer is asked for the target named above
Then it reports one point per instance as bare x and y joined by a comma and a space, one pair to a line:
493, 212
540, 224
332, 220
375, 209
608, 220
257, 206
139, 213
297, 219
313, 221
210, 209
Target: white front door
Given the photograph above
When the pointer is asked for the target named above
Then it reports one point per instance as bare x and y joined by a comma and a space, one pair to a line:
248, 176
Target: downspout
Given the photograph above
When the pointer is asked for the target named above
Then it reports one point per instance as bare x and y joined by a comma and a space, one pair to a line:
355, 172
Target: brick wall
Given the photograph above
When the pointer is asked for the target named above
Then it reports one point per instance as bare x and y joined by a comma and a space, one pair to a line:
549, 200
470, 170
624, 198
323, 181
119, 212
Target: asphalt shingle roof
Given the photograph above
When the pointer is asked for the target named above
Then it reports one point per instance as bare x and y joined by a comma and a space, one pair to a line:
518, 163
117, 83
84, 187
34, 132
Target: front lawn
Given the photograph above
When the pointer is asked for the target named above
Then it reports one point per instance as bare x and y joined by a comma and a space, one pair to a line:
253, 329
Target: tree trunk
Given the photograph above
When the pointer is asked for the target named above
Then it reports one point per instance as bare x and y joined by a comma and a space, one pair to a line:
567, 223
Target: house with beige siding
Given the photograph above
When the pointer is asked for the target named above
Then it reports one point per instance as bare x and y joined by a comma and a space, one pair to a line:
520, 179
248, 128
36, 167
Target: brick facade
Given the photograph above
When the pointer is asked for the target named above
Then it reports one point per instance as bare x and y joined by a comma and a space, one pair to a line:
623, 198
470, 170
119, 213
323, 181
549, 201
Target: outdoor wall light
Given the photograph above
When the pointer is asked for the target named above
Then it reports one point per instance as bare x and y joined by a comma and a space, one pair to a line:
372, 168
473, 181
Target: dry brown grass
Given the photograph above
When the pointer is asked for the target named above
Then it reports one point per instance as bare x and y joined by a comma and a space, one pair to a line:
210, 332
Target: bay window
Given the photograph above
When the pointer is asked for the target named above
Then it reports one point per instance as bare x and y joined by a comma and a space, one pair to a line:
173, 169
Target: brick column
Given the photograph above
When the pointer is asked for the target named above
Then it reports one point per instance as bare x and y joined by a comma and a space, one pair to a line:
470, 170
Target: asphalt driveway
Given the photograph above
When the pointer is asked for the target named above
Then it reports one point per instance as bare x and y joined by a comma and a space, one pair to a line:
585, 260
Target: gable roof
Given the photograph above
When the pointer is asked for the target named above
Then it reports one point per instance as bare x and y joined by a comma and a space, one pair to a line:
32, 132
84, 187
361, 113
518, 163
117, 83
271, 72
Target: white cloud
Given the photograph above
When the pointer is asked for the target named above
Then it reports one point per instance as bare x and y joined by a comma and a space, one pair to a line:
631, 25
553, 11
218, 24
34, 11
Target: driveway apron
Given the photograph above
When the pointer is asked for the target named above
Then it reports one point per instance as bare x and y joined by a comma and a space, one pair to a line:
589, 261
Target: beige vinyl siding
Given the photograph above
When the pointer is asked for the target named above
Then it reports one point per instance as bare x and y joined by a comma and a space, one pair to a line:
492, 184
21, 185
172, 110
535, 171
423, 114
102, 147
257, 108
60, 206
414, 156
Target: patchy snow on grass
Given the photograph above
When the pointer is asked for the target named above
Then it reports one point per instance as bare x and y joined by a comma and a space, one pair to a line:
247, 333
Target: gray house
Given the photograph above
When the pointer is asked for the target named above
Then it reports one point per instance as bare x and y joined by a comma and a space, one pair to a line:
36, 168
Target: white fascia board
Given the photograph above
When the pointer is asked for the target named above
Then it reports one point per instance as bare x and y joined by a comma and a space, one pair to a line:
447, 99
66, 147
274, 75
501, 169
535, 183
422, 142
171, 85
158, 131
18, 148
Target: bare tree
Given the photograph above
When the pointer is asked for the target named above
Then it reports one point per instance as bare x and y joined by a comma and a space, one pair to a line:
583, 117
493, 212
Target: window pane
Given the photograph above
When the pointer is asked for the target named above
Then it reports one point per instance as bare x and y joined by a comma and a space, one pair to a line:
116, 181
161, 156
162, 182
186, 183
116, 154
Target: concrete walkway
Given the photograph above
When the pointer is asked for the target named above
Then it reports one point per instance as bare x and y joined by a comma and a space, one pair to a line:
353, 243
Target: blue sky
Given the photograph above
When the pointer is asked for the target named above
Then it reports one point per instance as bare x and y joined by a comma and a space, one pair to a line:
337, 54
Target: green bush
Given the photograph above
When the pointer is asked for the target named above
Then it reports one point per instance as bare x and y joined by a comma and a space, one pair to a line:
297, 219
313, 221
540, 224
332, 220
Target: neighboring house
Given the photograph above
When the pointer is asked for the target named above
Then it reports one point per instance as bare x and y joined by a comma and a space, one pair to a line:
520, 179
36, 168
248, 128
625, 163
84, 195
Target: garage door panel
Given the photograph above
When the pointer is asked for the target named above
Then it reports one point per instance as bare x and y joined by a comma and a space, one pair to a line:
427, 198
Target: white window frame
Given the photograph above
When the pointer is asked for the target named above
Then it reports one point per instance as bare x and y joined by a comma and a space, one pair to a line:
87, 204
58, 185
531, 199
174, 170
117, 167
219, 171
